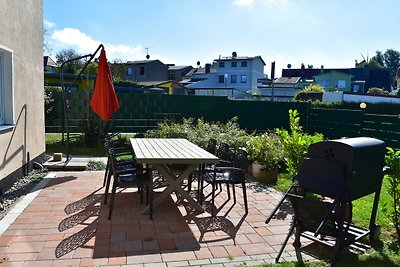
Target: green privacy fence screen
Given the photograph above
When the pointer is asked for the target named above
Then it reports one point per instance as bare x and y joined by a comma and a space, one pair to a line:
140, 112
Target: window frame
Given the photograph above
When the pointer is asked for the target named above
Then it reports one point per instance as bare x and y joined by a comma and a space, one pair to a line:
233, 78
221, 80
129, 71
341, 84
221, 64
243, 78
243, 64
234, 64
6, 88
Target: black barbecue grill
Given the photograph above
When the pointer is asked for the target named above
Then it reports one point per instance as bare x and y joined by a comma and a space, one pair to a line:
333, 174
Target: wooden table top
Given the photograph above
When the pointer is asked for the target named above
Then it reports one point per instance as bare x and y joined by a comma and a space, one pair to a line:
169, 151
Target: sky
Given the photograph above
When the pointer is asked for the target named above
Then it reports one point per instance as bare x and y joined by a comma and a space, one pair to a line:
332, 33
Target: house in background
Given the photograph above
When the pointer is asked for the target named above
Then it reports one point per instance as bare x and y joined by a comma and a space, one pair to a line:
334, 80
357, 80
49, 65
146, 70
283, 88
22, 127
177, 73
155, 74
233, 76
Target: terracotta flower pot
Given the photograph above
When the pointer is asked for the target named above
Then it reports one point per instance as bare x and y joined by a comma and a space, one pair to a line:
260, 173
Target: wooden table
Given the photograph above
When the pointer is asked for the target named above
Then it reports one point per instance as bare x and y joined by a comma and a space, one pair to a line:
162, 152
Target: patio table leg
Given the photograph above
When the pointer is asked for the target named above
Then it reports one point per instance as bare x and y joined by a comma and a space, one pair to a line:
174, 184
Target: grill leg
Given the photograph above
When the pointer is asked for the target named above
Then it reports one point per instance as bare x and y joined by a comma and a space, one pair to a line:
285, 242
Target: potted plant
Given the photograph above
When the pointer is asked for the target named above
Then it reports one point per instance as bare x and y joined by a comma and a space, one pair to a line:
267, 156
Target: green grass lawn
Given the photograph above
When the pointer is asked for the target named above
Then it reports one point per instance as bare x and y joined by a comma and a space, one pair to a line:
384, 252
54, 144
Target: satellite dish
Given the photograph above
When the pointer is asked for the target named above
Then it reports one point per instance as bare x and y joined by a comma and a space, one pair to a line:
148, 56
198, 63
289, 66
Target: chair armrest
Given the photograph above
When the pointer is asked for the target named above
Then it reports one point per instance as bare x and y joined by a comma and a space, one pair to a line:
223, 163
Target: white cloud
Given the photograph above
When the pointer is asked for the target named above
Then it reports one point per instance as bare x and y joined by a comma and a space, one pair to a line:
243, 2
48, 24
85, 44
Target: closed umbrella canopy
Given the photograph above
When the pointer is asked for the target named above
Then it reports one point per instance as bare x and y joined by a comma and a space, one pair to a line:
104, 101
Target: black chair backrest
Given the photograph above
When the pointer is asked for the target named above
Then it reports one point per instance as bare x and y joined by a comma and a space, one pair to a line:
223, 152
240, 159
212, 145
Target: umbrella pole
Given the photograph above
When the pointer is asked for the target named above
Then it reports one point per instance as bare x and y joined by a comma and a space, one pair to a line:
67, 90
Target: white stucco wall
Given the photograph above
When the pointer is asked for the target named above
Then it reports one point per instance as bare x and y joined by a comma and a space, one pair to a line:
340, 96
21, 30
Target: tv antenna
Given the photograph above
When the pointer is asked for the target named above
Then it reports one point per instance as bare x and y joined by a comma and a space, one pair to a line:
147, 52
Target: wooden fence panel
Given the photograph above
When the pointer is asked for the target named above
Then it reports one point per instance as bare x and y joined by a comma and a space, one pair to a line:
335, 123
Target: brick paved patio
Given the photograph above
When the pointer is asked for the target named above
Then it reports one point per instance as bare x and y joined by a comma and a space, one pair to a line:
65, 224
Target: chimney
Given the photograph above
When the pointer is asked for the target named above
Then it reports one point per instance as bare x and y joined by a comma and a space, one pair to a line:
208, 67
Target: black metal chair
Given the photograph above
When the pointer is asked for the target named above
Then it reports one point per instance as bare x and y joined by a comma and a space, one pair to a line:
229, 175
123, 152
224, 155
130, 177
124, 156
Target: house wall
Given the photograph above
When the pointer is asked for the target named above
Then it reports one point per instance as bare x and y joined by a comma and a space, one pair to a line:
21, 30
153, 71
254, 71
340, 96
332, 77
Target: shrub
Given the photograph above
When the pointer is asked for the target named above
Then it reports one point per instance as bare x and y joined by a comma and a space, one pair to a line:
312, 88
267, 150
377, 91
295, 142
200, 131
392, 160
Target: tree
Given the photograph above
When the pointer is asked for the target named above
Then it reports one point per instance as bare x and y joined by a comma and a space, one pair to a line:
65, 55
379, 58
375, 62
118, 69
391, 60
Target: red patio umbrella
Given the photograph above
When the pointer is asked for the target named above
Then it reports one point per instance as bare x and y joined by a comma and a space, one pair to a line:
104, 101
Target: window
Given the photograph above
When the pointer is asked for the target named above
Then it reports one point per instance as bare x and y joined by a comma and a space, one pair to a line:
243, 64
221, 78
233, 64
141, 70
1, 92
233, 78
221, 64
129, 71
243, 79
341, 84
6, 86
